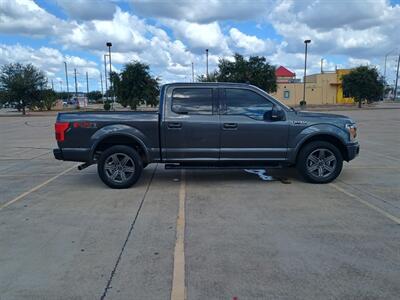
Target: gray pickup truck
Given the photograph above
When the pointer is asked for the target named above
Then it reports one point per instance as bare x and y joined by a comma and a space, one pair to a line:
207, 125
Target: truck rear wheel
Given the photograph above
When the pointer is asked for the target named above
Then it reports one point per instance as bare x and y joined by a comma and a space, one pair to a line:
120, 167
320, 162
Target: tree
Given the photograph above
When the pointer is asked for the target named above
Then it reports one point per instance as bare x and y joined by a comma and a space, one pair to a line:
49, 97
94, 95
63, 95
22, 83
363, 84
135, 86
256, 70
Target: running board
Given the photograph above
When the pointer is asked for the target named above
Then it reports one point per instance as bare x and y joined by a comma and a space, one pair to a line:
207, 167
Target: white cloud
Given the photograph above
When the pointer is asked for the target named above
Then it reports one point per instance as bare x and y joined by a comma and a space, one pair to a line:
360, 29
250, 44
88, 9
124, 30
49, 60
204, 11
200, 36
27, 18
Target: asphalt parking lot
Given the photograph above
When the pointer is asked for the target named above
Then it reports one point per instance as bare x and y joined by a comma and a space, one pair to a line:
65, 235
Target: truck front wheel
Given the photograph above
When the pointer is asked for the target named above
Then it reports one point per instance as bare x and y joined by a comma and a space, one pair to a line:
119, 167
319, 162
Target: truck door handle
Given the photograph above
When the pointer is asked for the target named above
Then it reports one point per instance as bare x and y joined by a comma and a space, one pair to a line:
174, 125
230, 125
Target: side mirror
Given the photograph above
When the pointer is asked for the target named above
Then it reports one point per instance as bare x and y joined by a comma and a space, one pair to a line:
276, 114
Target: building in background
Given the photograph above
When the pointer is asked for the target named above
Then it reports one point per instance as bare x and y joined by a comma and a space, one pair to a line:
322, 88
284, 75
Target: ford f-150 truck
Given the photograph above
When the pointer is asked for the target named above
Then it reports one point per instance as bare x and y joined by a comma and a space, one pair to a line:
207, 125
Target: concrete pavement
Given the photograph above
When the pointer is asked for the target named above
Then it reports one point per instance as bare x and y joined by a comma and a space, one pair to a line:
74, 238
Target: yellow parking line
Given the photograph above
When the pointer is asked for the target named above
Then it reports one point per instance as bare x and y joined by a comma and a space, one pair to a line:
381, 211
36, 188
178, 291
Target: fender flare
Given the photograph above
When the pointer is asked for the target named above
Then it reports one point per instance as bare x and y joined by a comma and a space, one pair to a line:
330, 131
118, 130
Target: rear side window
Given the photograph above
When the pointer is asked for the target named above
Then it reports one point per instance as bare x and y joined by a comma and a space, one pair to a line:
246, 102
192, 101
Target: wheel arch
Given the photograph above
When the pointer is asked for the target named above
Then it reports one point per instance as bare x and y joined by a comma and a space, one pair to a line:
125, 139
323, 137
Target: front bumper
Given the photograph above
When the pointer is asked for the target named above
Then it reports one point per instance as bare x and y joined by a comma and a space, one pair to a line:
352, 151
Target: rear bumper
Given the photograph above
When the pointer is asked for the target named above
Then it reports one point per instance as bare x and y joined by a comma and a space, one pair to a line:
58, 154
352, 151
72, 154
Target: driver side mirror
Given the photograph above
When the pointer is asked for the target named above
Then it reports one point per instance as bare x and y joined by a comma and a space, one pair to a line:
275, 114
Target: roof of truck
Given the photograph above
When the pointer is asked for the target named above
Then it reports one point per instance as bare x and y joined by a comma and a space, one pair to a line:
208, 83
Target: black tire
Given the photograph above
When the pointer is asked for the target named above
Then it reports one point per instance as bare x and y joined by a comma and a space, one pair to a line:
128, 173
317, 168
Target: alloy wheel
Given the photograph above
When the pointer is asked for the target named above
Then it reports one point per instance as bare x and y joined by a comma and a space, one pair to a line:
119, 167
321, 163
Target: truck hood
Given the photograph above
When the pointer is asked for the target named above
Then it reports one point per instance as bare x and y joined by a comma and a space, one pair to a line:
309, 114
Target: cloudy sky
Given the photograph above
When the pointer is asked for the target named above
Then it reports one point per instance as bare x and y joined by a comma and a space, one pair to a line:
170, 35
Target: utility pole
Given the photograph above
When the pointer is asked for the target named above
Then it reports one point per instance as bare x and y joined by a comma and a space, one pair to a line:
105, 72
66, 78
101, 83
207, 63
397, 79
192, 72
52, 85
87, 83
76, 85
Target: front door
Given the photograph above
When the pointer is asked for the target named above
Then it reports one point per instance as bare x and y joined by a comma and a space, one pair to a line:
247, 133
191, 124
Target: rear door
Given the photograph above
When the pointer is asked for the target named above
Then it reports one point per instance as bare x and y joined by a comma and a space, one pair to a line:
191, 124
246, 131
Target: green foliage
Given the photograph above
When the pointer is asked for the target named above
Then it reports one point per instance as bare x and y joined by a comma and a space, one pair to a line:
256, 71
94, 95
49, 98
62, 95
303, 102
22, 84
107, 106
363, 84
135, 86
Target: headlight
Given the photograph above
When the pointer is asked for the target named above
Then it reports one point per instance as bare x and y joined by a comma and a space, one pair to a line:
352, 129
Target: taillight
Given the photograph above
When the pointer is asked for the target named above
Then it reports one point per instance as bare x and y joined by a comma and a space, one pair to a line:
60, 128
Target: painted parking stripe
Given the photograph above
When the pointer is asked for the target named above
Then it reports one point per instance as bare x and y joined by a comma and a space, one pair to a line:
377, 209
34, 189
178, 291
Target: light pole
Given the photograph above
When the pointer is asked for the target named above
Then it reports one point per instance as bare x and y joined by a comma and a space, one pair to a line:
105, 74
109, 44
384, 73
192, 72
76, 85
207, 63
66, 79
397, 79
306, 42
101, 83
87, 83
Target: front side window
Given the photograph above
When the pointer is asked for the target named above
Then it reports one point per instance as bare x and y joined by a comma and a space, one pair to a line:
246, 102
192, 101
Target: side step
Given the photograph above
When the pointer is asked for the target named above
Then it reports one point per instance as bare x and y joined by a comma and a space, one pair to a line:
208, 167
